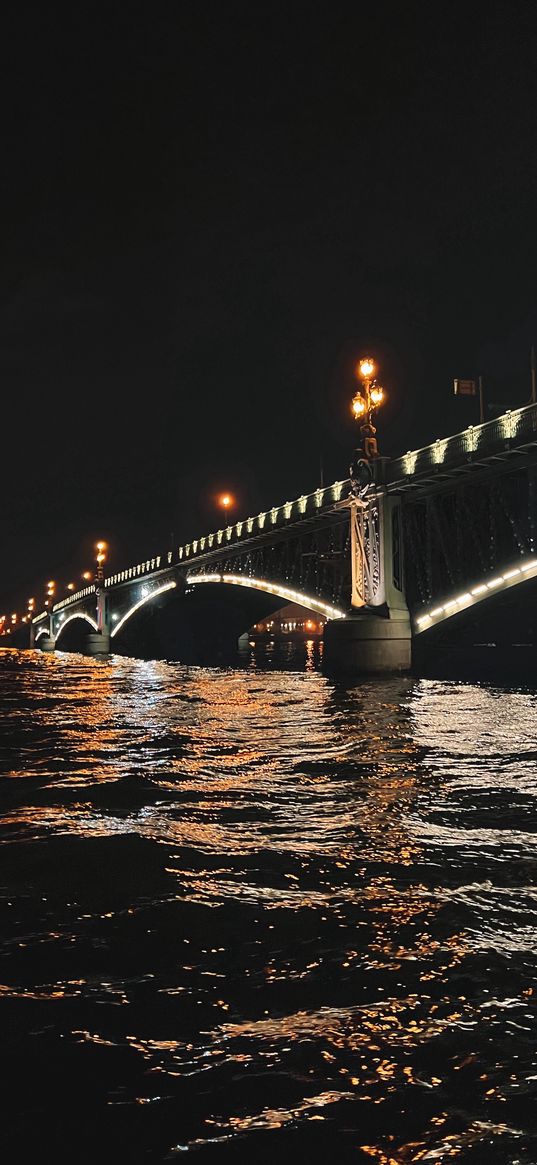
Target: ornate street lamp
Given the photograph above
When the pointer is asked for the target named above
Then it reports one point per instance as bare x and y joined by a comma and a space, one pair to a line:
369, 397
99, 586
101, 559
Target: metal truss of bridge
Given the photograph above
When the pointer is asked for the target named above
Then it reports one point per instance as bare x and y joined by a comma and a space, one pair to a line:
442, 530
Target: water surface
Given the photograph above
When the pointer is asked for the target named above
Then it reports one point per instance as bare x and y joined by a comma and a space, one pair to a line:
251, 914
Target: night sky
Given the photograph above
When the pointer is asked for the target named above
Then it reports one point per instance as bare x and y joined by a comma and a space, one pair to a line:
209, 213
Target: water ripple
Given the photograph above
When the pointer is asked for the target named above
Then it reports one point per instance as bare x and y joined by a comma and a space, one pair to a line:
256, 912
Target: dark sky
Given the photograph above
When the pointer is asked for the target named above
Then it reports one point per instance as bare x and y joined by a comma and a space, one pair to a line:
209, 212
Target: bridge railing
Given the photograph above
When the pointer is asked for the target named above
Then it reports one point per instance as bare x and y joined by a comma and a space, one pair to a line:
306, 506
149, 566
74, 598
517, 426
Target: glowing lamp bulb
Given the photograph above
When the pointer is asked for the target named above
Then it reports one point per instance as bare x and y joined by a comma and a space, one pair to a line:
226, 500
358, 406
101, 546
377, 395
366, 368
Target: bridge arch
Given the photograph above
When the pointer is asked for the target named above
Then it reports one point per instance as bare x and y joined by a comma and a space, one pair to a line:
146, 598
510, 576
289, 594
76, 615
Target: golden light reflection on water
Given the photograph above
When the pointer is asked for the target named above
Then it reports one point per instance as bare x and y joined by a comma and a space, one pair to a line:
444, 1148
349, 828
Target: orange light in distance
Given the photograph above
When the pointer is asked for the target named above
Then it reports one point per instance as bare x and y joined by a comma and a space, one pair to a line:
87, 575
226, 501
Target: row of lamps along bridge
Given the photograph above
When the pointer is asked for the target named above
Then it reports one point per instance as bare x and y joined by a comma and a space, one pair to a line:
369, 397
7, 623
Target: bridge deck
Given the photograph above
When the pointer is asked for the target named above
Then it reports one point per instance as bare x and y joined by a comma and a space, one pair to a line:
474, 450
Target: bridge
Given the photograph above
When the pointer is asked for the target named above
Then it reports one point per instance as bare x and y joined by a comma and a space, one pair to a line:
428, 540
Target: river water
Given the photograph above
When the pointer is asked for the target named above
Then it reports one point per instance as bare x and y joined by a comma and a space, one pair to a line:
254, 915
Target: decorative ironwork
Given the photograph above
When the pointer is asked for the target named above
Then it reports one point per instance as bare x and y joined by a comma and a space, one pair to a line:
466, 530
312, 558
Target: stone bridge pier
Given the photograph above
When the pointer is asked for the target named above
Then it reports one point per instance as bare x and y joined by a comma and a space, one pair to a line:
376, 635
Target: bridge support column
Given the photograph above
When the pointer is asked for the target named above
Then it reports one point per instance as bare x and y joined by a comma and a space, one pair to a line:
367, 644
376, 635
47, 643
97, 643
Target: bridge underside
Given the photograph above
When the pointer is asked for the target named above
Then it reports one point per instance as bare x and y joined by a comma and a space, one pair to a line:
496, 638
470, 555
199, 625
467, 528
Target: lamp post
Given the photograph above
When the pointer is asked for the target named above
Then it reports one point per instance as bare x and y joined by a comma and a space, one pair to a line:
375, 636
30, 611
51, 587
99, 584
369, 397
101, 559
364, 403
226, 501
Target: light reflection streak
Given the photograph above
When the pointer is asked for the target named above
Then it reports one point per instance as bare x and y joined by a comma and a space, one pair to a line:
357, 843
